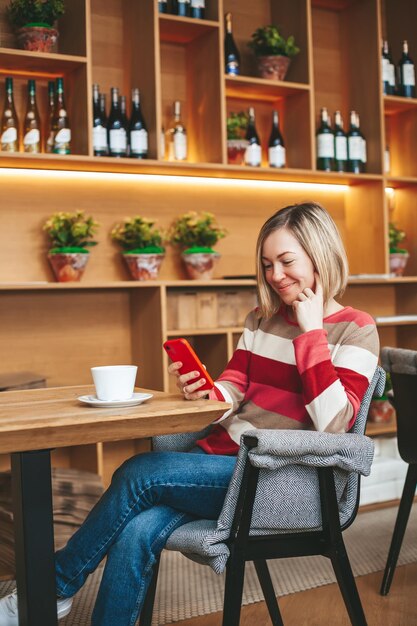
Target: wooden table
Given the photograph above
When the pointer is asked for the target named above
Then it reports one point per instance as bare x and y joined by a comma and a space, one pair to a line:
35, 421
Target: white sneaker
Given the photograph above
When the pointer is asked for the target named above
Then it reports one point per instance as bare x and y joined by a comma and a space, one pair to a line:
8, 609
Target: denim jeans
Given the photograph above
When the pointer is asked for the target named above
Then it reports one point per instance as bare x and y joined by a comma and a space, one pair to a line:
149, 497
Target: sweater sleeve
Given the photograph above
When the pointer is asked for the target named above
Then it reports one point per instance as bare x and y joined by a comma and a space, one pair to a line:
333, 386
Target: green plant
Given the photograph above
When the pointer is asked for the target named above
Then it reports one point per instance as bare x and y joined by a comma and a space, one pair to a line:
396, 236
196, 232
70, 232
138, 235
236, 125
267, 41
34, 12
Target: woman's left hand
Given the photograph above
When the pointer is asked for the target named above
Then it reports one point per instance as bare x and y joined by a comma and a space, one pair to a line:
308, 307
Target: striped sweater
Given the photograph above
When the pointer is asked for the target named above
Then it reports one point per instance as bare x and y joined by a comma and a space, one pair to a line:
281, 378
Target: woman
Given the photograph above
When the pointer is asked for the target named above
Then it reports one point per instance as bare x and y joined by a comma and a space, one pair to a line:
303, 362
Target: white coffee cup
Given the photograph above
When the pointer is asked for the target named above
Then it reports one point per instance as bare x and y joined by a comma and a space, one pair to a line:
114, 382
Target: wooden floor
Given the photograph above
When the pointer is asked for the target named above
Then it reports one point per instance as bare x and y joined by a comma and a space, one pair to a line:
324, 607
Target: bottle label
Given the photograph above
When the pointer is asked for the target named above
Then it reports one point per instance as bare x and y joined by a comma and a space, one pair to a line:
325, 146
385, 71
197, 4
409, 78
118, 140
276, 156
232, 67
180, 146
32, 137
63, 136
99, 138
391, 75
9, 135
340, 145
355, 148
363, 155
253, 154
139, 141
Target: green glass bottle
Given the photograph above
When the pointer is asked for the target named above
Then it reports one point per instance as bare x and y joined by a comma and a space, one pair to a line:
32, 123
325, 143
61, 125
9, 139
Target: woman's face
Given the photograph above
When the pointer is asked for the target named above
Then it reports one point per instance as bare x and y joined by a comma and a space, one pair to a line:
288, 268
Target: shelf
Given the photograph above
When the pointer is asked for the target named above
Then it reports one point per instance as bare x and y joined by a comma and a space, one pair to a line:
397, 280
396, 320
400, 181
195, 332
47, 64
393, 105
250, 88
183, 30
373, 429
124, 284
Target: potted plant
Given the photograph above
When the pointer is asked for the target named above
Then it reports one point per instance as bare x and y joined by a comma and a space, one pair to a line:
195, 234
141, 244
236, 137
398, 257
34, 22
70, 235
273, 52
381, 410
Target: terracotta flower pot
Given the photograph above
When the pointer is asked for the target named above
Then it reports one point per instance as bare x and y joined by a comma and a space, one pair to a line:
381, 411
144, 266
236, 149
273, 67
36, 38
68, 266
398, 262
200, 265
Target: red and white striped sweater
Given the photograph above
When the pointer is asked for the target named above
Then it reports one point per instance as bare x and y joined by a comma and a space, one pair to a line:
281, 378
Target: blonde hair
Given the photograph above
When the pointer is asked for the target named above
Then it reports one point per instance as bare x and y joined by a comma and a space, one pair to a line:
317, 233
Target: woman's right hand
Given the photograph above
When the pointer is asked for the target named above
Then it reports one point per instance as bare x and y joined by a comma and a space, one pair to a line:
190, 390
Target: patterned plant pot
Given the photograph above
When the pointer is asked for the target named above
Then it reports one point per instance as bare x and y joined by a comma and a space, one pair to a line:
236, 149
381, 411
398, 262
200, 265
144, 266
36, 38
68, 266
274, 67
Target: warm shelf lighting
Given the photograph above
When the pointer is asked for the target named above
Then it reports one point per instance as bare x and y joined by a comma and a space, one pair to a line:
171, 180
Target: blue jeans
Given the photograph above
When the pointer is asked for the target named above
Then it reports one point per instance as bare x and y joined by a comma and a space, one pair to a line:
149, 497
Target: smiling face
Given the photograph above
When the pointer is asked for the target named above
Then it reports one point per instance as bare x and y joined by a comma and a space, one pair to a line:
287, 267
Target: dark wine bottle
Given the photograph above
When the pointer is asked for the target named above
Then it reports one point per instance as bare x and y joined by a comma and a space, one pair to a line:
406, 74
355, 146
32, 122
388, 70
181, 7
276, 148
49, 135
198, 8
138, 134
9, 122
116, 127
163, 6
364, 157
99, 125
253, 154
340, 144
325, 143
231, 53
61, 125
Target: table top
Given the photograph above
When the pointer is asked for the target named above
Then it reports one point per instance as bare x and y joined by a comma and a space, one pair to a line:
53, 417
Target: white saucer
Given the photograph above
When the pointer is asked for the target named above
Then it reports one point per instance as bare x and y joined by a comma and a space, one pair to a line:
137, 398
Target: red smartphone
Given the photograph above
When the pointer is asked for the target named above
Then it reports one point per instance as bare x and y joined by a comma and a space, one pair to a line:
181, 350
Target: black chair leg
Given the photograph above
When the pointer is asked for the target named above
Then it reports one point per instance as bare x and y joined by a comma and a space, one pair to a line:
399, 529
232, 604
347, 585
269, 592
147, 609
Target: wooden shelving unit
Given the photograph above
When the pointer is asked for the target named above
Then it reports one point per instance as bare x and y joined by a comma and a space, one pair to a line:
62, 330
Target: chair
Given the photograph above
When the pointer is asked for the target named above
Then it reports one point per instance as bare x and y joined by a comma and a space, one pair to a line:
263, 519
402, 365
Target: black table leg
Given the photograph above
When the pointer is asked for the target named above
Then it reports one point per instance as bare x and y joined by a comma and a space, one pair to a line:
34, 538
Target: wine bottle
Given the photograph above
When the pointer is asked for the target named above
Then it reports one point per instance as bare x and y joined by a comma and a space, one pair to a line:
355, 146
340, 144
231, 53
61, 125
116, 130
49, 136
407, 79
364, 157
276, 148
9, 122
163, 6
177, 136
182, 7
388, 70
198, 8
325, 143
125, 121
138, 135
99, 125
162, 144
253, 154
32, 123
387, 160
